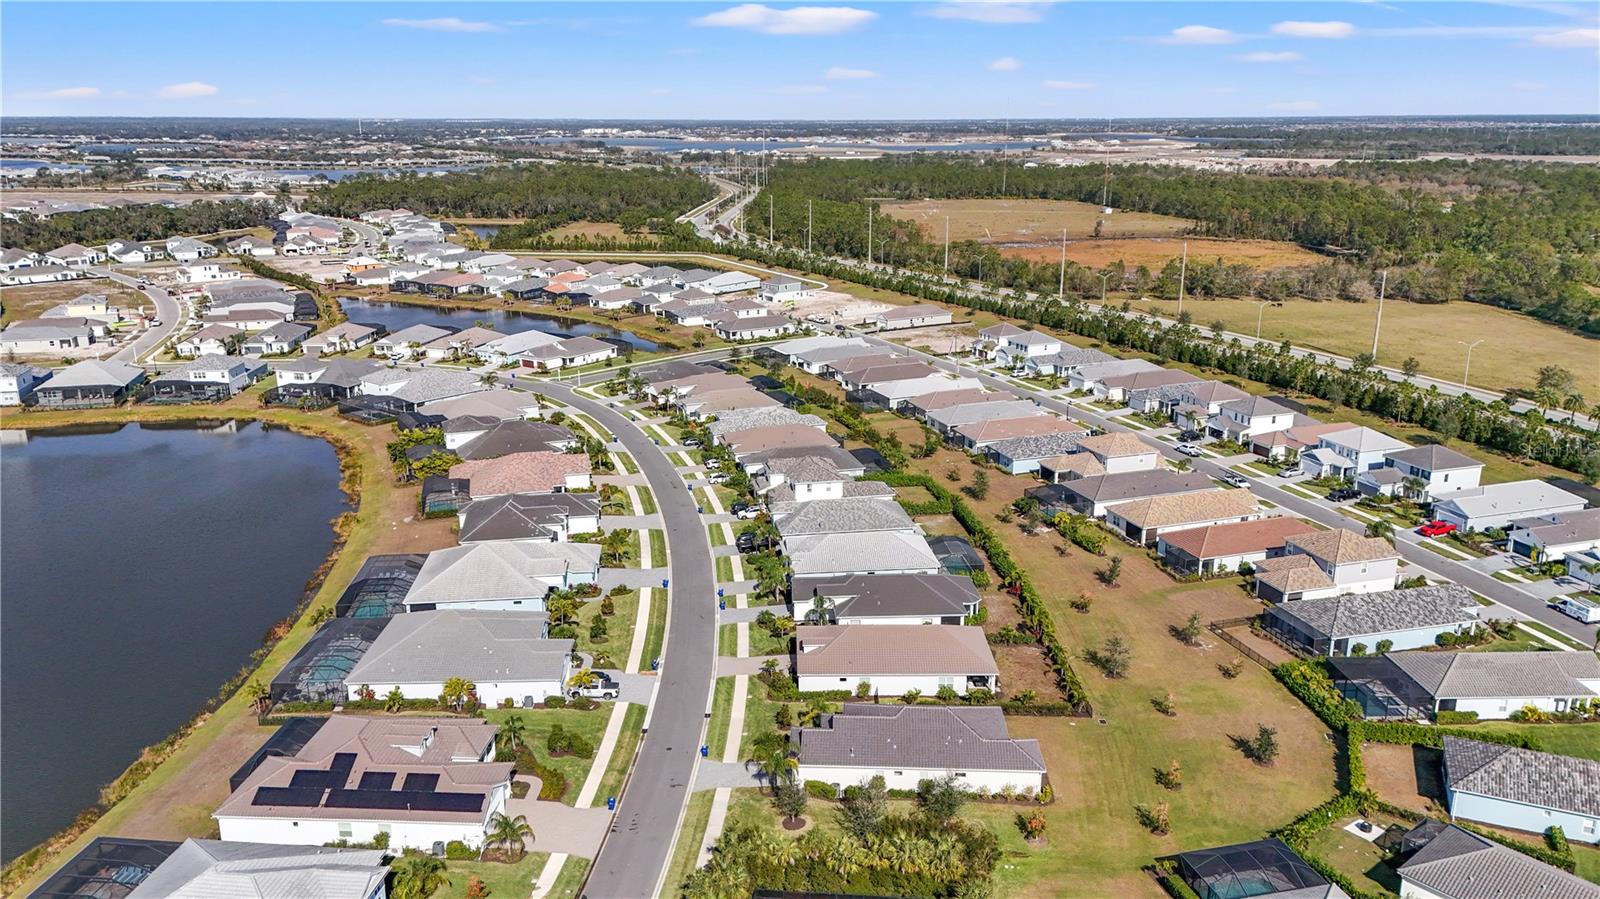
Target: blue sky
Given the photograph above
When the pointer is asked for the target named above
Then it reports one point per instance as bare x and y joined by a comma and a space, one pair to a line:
846, 61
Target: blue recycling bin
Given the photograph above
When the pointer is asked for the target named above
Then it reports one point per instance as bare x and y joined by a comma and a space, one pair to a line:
705, 751
700, 509
611, 803
655, 664
663, 583
722, 603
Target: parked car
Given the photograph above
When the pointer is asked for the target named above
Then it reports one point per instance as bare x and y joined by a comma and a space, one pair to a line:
1288, 472
746, 511
1190, 435
713, 464
817, 318
718, 478
691, 441
1342, 494
1235, 480
1436, 529
1585, 610
746, 543
1190, 450
604, 688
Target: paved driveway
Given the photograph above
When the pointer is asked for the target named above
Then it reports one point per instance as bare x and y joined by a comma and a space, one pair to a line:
558, 827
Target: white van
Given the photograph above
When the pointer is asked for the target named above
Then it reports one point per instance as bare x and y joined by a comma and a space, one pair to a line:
1585, 610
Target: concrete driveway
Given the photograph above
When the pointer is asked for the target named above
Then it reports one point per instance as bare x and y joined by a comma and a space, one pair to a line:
558, 827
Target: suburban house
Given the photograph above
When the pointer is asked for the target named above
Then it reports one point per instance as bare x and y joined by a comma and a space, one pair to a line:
884, 599
839, 516
917, 316
1194, 403
820, 359
341, 338
1063, 363
187, 249
1114, 452
1223, 548
244, 319
864, 377
758, 440
871, 552
989, 339
504, 654
1447, 862
1328, 563
500, 405
703, 404
211, 340
75, 255
250, 245
1119, 389
782, 288
752, 327
908, 744
460, 344
89, 383
1262, 869
1347, 453
1501, 505
893, 658
1246, 421
280, 339
920, 406
47, 336
1407, 619
1294, 440
1491, 685
976, 435
1522, 789
529, 516
404, 389
208, 378
1016, 347
1144, 521
532, 472
1087, 378
1024, 454
729, 282
1440, 469
950, 418
736, 420
130, 252
1555, 536
421, 781
501, 575
673, 388
18, 380
569, 352
312, 376
198, 869
1096, 494
502, 438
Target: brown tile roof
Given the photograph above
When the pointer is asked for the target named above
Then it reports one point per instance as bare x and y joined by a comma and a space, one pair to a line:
536, 472
944, 398
1292, 574
706, 402
1181, 508
1006, 428
1084, 465
885, 649
1238, 537
1342, 547
759, 440
1115, 443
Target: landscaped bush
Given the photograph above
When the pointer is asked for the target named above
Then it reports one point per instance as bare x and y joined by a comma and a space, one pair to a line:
820, 790
455, 850
1308, 680
1456, 717
555, 702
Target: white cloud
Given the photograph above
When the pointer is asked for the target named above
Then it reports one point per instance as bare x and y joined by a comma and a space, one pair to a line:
843, 73
1270, 56
795, 20
1573, 38
73, 93
451, 24
991, 13
1006, 64
795, 90
188, 90
1314, 29
1294, 105
1200, 34
1067, 85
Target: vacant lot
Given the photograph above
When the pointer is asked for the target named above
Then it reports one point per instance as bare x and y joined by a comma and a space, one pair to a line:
1006, 221
1155, 252
1428, 332
592, 230
32, 300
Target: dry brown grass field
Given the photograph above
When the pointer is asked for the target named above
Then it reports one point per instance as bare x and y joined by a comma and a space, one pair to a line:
31, 300
1004, 221
1156, 252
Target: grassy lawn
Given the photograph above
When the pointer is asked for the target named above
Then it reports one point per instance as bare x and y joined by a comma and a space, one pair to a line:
515, 879
590, 725
1522, 641
569, 881
1588, 862
619, 629
622, 755
628, 465
760, 716
763, 643
690, 836
721, 713
658, 549
724, 567
718, 538
647, 501
1556, 635
1356, 858
1581, 740
656, 629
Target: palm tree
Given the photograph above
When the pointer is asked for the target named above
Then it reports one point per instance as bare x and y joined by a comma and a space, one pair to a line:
394, 701
260, 696
513, 733
489, 379
456, 690
773, 760
1413, 487
1572, 405
418, 876
1381, 529
506, 832
588, 677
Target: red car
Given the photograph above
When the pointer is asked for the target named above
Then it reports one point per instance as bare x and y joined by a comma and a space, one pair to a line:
1436, 529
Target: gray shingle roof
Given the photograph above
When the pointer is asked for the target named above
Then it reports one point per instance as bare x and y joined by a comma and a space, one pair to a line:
1435, 457
887, 595
839, 516
933, 737
1493, 674
1258, 405
517, 516
1543, 779
1130, 485
483, 646
1038, 446
1463, 865
421, 385
1355, 615
516, 436
862, 552
735, 420
95, 373
1564, 528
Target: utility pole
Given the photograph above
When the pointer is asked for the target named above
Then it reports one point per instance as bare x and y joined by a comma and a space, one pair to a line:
769, 217
1103, 279
1183, 272
808, 227
1261, 309
869, 234
947, 246
1383, 282
1468, 370
1061, 289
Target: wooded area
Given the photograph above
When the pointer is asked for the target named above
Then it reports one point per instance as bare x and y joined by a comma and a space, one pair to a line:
96, 226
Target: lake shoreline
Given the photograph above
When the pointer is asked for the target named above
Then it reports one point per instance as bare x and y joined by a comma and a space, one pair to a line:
29, 864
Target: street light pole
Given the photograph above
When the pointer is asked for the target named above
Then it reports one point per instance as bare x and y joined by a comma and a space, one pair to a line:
947, 246
1383, 283
869, 234
1183, 271
1468, 370
1103, 279
1061, 289
808, 227
1261, 309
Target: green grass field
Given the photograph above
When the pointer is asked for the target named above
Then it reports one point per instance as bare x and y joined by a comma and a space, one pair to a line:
690, 836
591, 725
622, 756
656, 633
721, 716
515, 879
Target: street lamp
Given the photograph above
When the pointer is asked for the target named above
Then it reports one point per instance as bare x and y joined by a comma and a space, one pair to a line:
1261, 309
1468, 369
1103, 278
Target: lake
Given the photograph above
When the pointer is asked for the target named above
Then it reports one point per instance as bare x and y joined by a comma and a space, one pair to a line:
139, 567
395, 316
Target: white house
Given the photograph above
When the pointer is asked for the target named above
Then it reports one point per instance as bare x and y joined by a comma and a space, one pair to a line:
729, 282
1494, 685
917, 316
501, 575
1355, 623
187, 249
40, 274
1441, 469
1222, 548
1347, 453
1328, 563
1015, 349
75, 255
1522, 789
1145, 520
893, 658
212, 340
1243, 420
908, 744
206, 273
1557, 536
782, 289
207, 868
130, 252
17, 381
1499, 505
342, 784
753, 327
250, 245
230, 373
883, 599
504, 654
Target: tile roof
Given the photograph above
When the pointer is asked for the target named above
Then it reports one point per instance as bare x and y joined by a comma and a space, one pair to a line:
1023, 426
1463, 865
860, 553
1254, 406
1147, 379
1435, 457
516, 435
498, 570
95, 373
784, 493
1072, 357
522, 516
735, 420
421, 385
1360, 614
772, 437
1364, 439
707, 402
862, 361
887, 595
1132, 485
496, 404
907, 313
998, 407
535, 472
1341, 547
481, 646
1238, 538
217, 869
1497, 674
1564, 527
844, 650
1036, 446
864, 735
1115, 444
1512, 498
899, 370
1182, 508
418, 334
805, 470
839, 516
941, 399
1292, 574
1543, 779
1084, 465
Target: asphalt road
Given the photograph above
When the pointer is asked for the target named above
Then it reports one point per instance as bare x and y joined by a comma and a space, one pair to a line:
636, 854
168, 312
1406, 542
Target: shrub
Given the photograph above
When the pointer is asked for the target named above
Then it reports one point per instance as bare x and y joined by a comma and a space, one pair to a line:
1154, 818
1032, 825
1384, 646
980, 696
863, 690
1263, 749
519, 789
911, 696
1166, 705
783, 717
582, 704
1009, 636
1557, 840
1112, 658
1081, 603
1358, 650
947, 694
1171, 777
821, 790
455, 850
1456, 717
1189, 632
555, 702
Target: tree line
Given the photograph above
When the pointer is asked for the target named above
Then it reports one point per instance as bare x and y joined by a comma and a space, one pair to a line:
1521, 236
142, 223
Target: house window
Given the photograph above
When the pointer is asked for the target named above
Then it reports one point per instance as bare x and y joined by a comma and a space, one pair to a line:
1561, 705
345, 832
947, 682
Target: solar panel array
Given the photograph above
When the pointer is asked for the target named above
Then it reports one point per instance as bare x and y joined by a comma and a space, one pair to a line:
325, 788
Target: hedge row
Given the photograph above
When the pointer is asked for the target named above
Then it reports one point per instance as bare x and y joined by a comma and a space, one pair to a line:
1404, 732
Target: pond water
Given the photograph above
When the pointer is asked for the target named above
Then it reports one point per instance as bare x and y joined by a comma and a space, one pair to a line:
139, 567
395, 316
485, 232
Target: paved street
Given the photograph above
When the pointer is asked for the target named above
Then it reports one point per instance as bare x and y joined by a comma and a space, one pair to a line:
168, 311
634, 858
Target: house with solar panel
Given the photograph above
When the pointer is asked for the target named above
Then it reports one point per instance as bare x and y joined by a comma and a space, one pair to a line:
422, 781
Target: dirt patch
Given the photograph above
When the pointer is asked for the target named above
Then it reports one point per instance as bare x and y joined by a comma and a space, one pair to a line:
838, 308
941, 339
998, 220
182, 806
1156, 252
328, 269
1409, 776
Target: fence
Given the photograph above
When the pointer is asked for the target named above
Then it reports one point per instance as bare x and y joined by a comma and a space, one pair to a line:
1220, 629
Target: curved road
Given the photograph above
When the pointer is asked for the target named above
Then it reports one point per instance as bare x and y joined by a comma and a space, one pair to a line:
635, 855
168, 312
